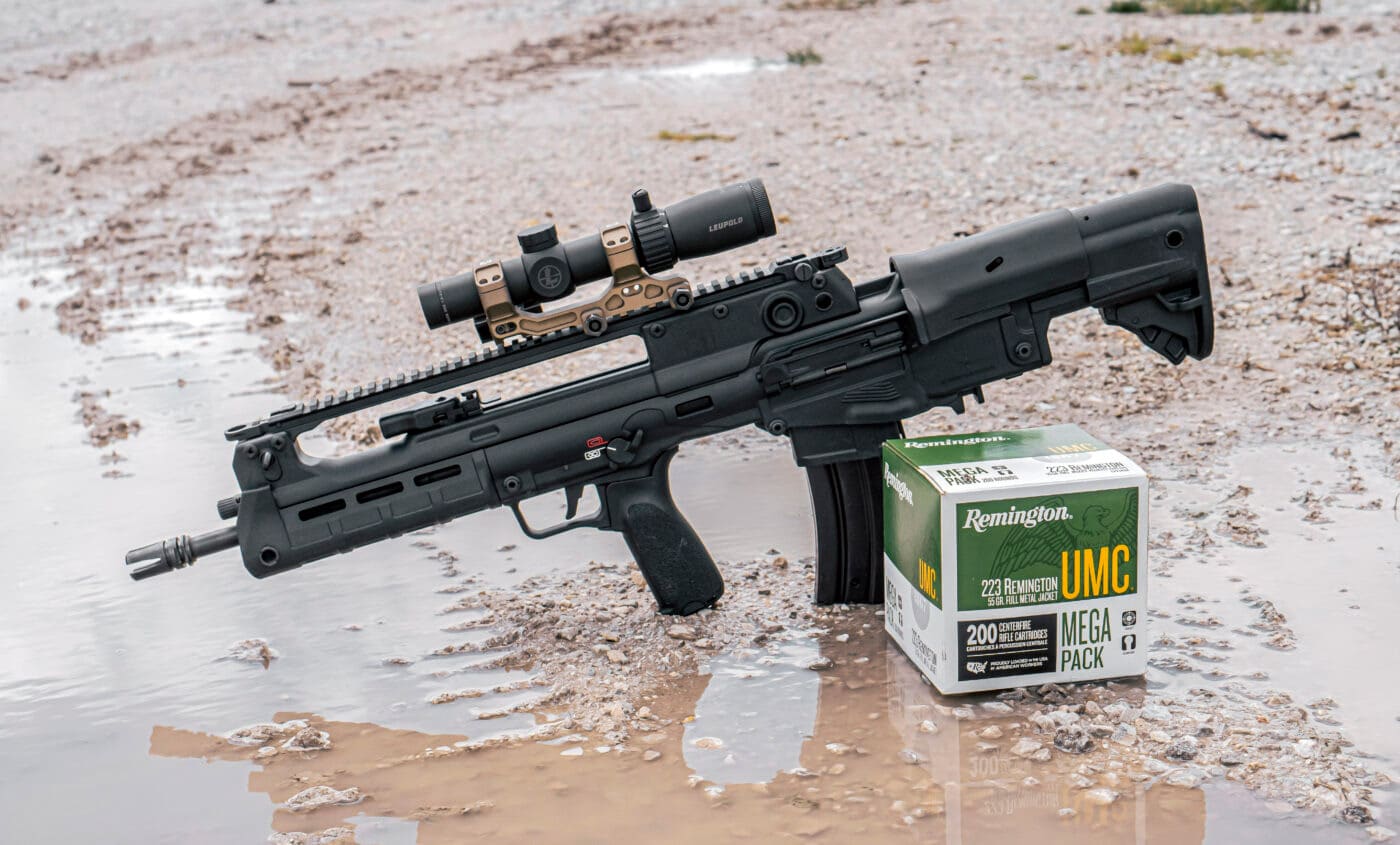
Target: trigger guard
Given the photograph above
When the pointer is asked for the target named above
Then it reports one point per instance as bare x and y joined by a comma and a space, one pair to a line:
597, 520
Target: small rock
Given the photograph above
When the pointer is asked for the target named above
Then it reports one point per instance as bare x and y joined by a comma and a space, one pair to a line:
912, 757
1124, 735
308, 739
1025, 747
990, 732
567, 633
961, 713
1067, 812
1184, 748
615, 656
314, 797
1381, 834
681, 632
1073, 739
928, 727
1156, 713
820, 664
1101, 796
708, 742
609, 637
651, 754
1041, 756
1356, 814
1153, 766
1187, 778
255, 650
478, 807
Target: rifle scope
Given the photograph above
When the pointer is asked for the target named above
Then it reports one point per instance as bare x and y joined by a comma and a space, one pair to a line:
717, 220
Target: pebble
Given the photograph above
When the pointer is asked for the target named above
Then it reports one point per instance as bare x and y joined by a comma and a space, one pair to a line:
912, 757
1067, 812
1156, 713
1183, 748
1125, 735
1073, 739
1381, 834
1356, 814
928, 727
1187, 778
990, 732
708, 742
651, 754
681, 632
821, 664
615, 656
314, 797
568, 633
1101, 796
1025, 747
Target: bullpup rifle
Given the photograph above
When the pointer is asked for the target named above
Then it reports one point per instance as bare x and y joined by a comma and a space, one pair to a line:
794, 348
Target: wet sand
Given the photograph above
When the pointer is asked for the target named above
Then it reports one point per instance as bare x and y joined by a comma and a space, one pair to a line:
184, 250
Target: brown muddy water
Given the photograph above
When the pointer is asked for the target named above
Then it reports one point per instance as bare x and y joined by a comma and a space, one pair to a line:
115, 698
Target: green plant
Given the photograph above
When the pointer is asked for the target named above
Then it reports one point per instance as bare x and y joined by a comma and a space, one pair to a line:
805, 56
1133, 44
1126, 7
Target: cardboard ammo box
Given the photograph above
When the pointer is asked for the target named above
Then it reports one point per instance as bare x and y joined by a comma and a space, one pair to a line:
1014, 558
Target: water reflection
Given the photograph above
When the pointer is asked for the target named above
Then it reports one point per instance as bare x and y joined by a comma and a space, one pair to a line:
868, 765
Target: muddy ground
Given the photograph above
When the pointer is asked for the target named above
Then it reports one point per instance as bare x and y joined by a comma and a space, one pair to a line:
306, 164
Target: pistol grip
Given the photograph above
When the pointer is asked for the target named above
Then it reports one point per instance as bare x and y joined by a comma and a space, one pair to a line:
674, 562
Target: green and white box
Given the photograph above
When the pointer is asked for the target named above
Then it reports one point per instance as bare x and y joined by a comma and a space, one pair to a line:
1015, 558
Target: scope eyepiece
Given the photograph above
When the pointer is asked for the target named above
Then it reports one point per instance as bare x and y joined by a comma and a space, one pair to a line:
715, 221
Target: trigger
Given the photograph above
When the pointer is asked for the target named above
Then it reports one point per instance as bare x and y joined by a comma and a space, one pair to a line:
572, 494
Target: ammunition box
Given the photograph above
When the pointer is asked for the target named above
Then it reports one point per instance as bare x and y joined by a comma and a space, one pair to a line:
1015, 558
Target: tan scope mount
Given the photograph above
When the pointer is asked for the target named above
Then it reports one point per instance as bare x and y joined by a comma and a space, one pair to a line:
633, 289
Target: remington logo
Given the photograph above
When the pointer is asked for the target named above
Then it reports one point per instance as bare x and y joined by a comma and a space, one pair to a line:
725, 224
961, 441
901, 490
980, 522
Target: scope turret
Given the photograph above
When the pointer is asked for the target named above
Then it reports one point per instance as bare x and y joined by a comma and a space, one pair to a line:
714, 221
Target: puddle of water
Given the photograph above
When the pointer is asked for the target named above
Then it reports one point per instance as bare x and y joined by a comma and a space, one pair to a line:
709, 68
863, 770
1330, 563
93, 661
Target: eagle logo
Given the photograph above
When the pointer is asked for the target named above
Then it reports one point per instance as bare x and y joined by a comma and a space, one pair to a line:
1092, 527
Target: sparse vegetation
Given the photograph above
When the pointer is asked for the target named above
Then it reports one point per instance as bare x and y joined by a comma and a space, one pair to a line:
1211, 7
1133, 44
1172, 52
1083, 10
827, 5
692, 137
1218, 89
803, 57
1234, 7
1371, 296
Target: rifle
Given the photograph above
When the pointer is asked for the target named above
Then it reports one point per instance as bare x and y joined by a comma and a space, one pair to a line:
794, 347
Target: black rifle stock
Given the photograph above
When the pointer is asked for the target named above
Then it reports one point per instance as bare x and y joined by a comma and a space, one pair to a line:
795, 348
